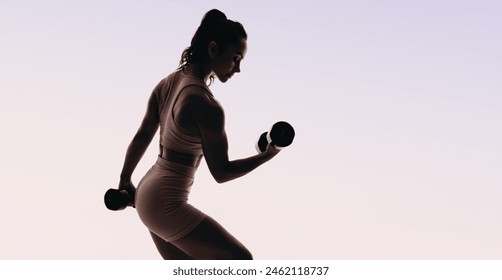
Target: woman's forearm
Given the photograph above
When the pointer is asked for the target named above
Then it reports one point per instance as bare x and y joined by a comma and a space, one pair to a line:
238, 168
134, 153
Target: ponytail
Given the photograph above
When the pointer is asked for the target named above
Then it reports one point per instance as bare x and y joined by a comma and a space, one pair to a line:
214, 27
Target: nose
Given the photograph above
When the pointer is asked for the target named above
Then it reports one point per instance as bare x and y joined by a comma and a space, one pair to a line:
237, 68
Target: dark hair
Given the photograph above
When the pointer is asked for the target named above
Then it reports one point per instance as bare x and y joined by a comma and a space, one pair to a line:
214, 27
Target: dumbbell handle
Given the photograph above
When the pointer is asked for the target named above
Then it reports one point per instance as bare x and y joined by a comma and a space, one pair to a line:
272, 143
279, 136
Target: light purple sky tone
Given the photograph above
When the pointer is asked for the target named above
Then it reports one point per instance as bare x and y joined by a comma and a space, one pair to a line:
397, 107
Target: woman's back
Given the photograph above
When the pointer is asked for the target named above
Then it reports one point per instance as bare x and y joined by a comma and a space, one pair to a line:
178, 129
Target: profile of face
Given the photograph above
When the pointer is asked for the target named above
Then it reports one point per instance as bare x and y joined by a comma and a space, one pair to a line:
225, 64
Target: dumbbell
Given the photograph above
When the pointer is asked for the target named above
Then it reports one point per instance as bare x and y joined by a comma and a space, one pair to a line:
118, 199
280, 135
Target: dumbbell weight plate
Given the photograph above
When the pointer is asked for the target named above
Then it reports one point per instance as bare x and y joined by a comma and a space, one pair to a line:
261, 144
116, 200
281, 134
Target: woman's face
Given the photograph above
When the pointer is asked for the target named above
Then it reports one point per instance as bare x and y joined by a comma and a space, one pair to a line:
224, 65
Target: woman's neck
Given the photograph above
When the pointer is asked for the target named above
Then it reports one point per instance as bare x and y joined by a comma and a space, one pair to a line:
197, 71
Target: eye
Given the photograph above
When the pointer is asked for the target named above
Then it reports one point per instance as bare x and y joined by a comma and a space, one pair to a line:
237, 58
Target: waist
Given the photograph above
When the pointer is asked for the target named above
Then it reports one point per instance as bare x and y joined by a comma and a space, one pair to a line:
179, 157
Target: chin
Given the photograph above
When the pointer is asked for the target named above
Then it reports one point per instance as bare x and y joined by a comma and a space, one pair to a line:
223, 79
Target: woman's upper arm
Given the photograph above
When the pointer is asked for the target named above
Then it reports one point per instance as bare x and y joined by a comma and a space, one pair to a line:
210, 120
150, 122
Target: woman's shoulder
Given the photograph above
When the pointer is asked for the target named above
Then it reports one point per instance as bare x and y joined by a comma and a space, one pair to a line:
199, 105
193, 81
199, 98
177, 82
194, 87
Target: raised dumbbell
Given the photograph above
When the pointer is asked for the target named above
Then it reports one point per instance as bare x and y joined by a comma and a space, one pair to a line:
280, 135
118, 199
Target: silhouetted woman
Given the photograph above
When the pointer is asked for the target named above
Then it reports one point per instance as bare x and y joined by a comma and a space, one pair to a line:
192, 125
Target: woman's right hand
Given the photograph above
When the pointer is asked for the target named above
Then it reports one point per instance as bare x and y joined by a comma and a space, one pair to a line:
271, 151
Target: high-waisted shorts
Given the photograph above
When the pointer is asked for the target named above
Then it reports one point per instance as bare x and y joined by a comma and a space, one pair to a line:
162, 200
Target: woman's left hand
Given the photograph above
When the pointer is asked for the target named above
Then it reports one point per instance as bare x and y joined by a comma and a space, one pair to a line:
128, 186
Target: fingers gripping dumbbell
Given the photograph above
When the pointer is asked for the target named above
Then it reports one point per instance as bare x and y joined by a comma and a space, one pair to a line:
118, 199
280, 135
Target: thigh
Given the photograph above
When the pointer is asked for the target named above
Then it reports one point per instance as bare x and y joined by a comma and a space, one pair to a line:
209, 240
167, 250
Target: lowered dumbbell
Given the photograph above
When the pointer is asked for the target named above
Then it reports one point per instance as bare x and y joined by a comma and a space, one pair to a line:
280, 135
118, 199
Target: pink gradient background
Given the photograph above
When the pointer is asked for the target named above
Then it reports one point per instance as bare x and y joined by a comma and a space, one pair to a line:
396, 104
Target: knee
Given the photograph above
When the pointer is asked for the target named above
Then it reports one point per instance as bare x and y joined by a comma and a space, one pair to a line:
237, 254
244, 254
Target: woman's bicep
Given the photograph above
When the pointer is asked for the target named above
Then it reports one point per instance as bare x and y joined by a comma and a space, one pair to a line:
210, 121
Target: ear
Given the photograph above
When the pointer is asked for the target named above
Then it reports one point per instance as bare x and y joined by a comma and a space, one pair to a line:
212, 49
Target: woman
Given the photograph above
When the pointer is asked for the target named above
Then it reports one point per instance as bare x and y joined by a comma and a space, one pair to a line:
192, 124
